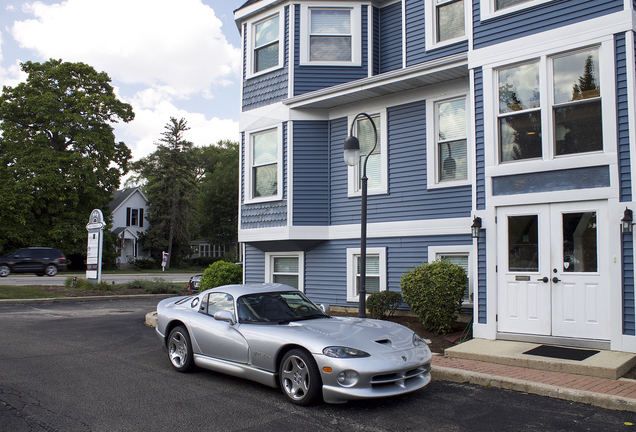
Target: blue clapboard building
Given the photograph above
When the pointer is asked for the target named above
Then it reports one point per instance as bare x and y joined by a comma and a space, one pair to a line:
519, 114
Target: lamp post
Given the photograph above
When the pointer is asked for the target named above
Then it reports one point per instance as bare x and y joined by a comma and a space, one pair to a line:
352, 158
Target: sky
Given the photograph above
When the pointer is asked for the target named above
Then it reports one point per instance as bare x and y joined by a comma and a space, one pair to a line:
167, 58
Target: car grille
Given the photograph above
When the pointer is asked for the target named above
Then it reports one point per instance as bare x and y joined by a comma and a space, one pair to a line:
400, 378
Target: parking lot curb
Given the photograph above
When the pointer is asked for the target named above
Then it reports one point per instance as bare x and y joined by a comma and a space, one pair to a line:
440, 373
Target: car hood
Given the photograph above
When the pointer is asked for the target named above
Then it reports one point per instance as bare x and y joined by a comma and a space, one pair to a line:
373, 336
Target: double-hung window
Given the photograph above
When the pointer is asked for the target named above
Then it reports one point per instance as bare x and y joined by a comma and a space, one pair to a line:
502, 4
449, 15
573, 100
459, 255
377, 157
375, 275
331, 35
451, 140
265, 171
491, 8
285, 268
266, 44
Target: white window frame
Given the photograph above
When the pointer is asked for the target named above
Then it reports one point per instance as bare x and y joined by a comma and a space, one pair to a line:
432, 167
436, 252
356, 34
546, 79
354, 171
269, 266
430, 19
249, 192
250, 61
352, 270
487, 8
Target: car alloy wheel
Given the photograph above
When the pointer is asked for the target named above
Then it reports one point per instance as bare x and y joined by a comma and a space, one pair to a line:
299, 377
50, 270
180, 349
4, 271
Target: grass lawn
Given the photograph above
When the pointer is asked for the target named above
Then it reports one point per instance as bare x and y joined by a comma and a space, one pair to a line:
10, 292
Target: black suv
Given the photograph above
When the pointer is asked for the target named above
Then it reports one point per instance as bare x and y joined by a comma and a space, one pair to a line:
38, 260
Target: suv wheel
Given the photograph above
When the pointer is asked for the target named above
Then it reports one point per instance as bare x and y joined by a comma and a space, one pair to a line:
50, 270
4, 270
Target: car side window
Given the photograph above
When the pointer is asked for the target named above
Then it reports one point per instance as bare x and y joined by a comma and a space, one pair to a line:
220, 301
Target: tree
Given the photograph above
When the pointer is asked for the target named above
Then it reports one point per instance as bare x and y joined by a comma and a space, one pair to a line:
58, 155
218, 198
171, 184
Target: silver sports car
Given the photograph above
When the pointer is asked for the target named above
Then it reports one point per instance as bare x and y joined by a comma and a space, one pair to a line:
274, 335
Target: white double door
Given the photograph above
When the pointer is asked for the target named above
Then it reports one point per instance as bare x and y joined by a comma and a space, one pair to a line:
552, 266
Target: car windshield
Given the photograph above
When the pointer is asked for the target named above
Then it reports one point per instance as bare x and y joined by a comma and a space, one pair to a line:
278, 307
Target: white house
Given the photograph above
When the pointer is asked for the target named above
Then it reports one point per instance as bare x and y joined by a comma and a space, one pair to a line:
128, 209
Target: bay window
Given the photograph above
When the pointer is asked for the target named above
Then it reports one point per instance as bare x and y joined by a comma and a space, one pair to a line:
264, 173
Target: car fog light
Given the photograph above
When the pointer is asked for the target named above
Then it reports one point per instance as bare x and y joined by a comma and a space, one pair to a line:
347, 378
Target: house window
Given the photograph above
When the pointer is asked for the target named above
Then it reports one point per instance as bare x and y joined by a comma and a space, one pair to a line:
575, 101
451, 140
449, 16
375, 274
134, 217
285, 268
377, 162
331, 35
459, 255
462, 261
265, 163
502, 4
266, 36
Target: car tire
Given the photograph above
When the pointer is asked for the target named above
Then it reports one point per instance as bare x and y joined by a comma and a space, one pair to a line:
4, 270
180, 349
299, 377
50, 270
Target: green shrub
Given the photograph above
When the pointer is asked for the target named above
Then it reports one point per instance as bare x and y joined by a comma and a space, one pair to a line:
156, 286
221, 273
434, 292
145, 264
383, 304
85, 284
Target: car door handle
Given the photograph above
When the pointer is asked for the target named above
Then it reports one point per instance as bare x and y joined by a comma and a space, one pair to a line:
556, 279
545, 279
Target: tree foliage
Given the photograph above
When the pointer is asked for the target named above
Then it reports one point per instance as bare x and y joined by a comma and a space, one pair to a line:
58, 155
218, 199
171, 184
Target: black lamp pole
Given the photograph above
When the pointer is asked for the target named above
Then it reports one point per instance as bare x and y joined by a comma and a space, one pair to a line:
351, 146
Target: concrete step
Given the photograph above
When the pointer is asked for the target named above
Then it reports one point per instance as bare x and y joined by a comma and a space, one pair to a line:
604, 364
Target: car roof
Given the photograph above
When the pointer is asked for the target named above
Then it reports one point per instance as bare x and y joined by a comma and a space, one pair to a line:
238, 290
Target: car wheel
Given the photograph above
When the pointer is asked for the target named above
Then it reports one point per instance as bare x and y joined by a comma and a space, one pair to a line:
299, 377
50, 270
180, 349
4, 271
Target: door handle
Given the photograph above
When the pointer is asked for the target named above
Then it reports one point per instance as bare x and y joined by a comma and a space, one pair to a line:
556, 279
544, 279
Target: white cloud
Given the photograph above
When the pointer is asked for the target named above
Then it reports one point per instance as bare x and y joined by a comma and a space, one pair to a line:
174, 44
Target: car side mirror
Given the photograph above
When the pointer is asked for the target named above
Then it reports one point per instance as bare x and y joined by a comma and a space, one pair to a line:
224, 315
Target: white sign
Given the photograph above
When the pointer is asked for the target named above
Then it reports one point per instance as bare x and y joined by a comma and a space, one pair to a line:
95, 227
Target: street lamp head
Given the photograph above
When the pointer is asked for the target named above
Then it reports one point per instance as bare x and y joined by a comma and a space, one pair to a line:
352, 151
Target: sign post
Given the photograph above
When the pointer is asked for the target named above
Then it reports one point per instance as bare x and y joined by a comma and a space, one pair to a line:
95, 228
164, 260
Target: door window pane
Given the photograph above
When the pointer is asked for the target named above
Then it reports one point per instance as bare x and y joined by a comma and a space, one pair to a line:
450, 19
580, 242
577, 103
523, 243
519, 113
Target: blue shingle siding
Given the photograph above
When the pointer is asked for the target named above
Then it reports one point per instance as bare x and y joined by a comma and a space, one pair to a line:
550, 181
311, 172
376, 41
391, 37
537, 19
481, 300
408, 198
622, 104
310, 78
254, 265
264, 215
480, 146
629, 318
402, 255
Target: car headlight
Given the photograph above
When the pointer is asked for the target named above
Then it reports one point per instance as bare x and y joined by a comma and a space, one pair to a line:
344, 352
418, 341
